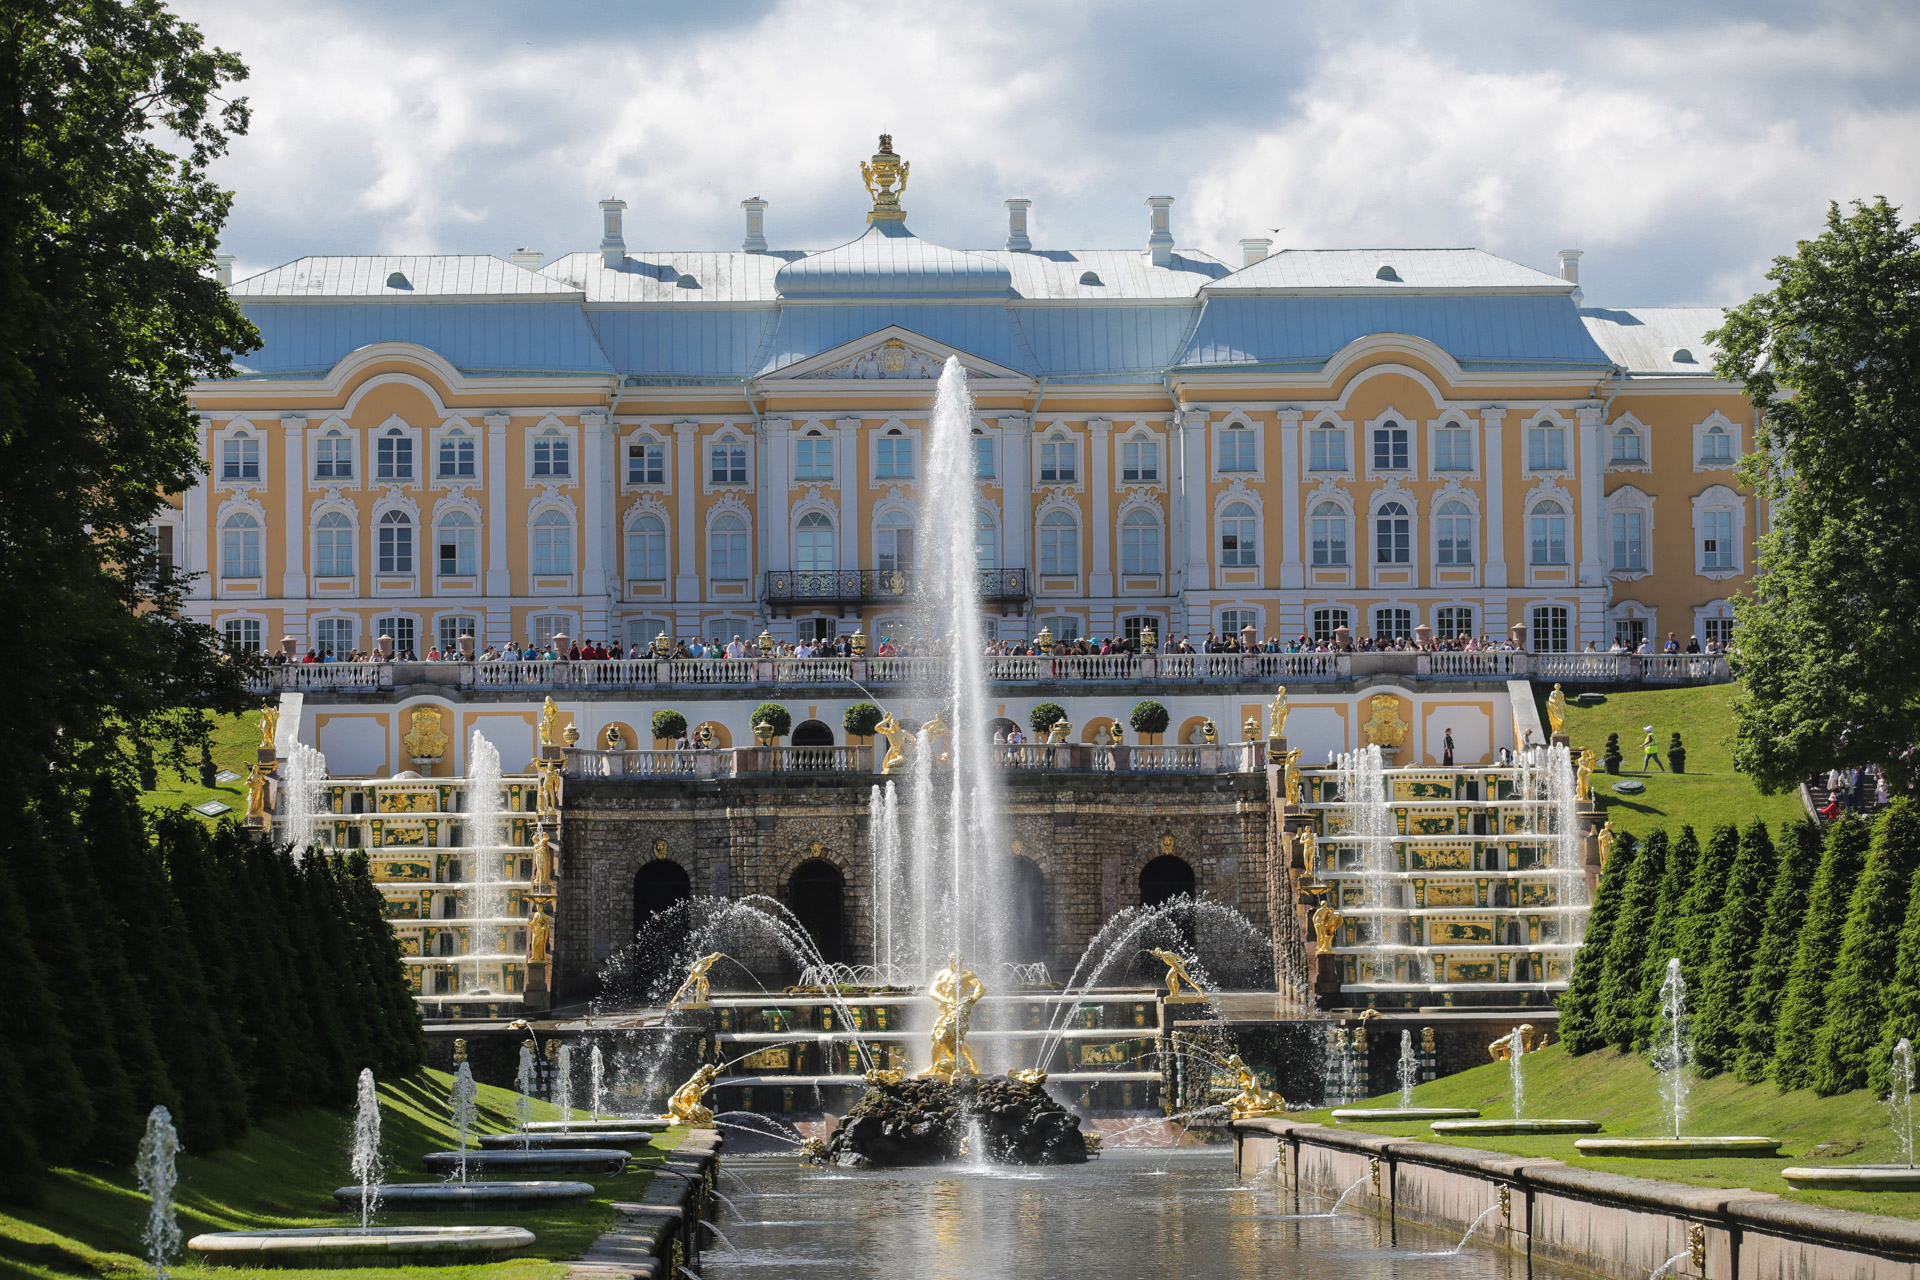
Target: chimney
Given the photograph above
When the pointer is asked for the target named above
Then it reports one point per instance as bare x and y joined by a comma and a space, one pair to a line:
1017, 240
1254, 249
527, 259
1160, 230
223, 268
1570, 272
613, 246
756, 241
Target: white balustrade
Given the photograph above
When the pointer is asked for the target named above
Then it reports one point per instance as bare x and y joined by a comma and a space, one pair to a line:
513, 674
1476, 664
327, 675
714, 670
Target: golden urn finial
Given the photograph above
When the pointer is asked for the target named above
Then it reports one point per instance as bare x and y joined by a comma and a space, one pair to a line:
886, 179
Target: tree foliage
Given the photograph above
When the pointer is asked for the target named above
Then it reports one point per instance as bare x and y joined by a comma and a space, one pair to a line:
1804, 1002
1149, 717
1580, 1005
1773, 954
1041, 718
1618, 1010
1902, 998
1857, 991
774, 716
862, 718
1830, 357
1736, 933
669, 724
1663, 940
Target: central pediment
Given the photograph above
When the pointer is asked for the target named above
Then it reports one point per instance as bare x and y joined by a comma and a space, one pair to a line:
893, 353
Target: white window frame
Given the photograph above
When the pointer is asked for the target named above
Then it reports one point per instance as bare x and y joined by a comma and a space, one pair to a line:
1400, 616
400, 644
332, 432
745, 548
817, 442
396, 432
1560, 512
986, 520
894, 429
1475, 617
547, 518
1703, 429
352, 530
886, 545
1720, 499
1567, 624
1324, 620
239, 553
546, 620
240, 621
1140, 437
1392, 418
1050, 449
550, 429
1631, 611
236, 438
1454, 420
473, 531
1224, 512
1244, 433
1628, 424
643, 629
321, 626
985, 450
383, 520
1135, 522
1340, 427
476, 629
831, 541
1050, 545
647, 439
1712, 611
1376, 513
1241, 615
449, 433
1543, 421
633, 530
1316, 514
1629, 499
1442, 511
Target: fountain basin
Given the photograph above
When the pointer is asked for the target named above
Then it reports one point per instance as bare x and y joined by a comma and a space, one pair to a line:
457, 1197
1854, 1177
617, 1124
1679, 1148
360, 1246
574, 1160
1377, 1115
1514, 1126
632, 1139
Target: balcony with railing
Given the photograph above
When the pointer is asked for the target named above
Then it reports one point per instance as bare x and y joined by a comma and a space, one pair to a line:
701, 763
786, 588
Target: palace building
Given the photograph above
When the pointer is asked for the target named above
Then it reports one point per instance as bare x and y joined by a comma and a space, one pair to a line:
619, 442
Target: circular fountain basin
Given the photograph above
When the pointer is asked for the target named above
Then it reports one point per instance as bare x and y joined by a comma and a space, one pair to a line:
360, 1246
1854, 1177
458, 1197
632, 1139
1378, 1115
1679, 1148
573, 1160
617, 1124
1469, 1127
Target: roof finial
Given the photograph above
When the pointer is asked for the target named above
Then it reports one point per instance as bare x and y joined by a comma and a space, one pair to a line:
882, 174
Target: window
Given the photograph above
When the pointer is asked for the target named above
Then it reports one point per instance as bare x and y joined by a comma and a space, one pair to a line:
1133, 628
399, 629
1550, 633
1140, 461
1452, 621
396, 543
1390, 623
815, 628
1546, 447
1064, 627
1716, 444
1140, 542
1326, 622
552, 544
1327, 449
448, 630
1452, 448
333, 546
1549, 529
551, 455
1454, 526
647, 549
1629, 540
1390, 446
986, 541
1626, 445
1239, 537
727, 550
647, 462
240, 457
982, 456
641, 631
333, 637
893, 549
1059, 545
1629, 632
1330, 535
1716, 539
894, 459
456, 456
163, 549
1392, 535
543, 627
393, 455
1719, 630
333, 459
243, 634
812, 458
1232, 620
1058, 461
1237, 448
813, 544
456, 544
240, 546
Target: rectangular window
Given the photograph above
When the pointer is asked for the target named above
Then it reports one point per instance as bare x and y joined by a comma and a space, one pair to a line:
1452, 449
1452, 622
333, 637
400, 631
727, 555
1716, 540
1629, 632
1719, 630
1390, 449
1327, 449
1330, 539
543, 627
1546, 448
1066, 627
1237, 449
449, 629
1392, 624
983, 457
646, 463
1629, 541
1626, 445
813, 459
552, 456
1326, 622
647, 550
333, 459
393, 457
243, 635
1550, 633
1140, 461
456, 543
641, 631
1058, 461
163, 547
894, 458
1132, 628
1232, 620
456, 456
240, 458
396, 547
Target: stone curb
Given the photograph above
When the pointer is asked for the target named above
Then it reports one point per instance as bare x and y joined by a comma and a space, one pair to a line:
643, 1243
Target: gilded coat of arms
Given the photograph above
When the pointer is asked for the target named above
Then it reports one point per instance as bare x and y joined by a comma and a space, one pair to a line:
425, 741
1385, 728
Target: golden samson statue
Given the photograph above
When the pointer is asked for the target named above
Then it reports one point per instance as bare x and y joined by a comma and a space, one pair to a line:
955, 991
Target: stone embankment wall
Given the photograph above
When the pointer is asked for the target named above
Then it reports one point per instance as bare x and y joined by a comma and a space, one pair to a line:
1601, 1222
660, 1232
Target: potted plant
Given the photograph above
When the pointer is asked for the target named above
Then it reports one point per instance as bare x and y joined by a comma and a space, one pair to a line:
770, 721
669, 725
861, 719
1041, 718
1676, 753
1612, 754
1149, 719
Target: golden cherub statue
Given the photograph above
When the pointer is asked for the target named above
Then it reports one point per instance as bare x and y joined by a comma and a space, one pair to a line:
899, 742
269, 724
693, 992
1583, 786
1291, 764
1277, 714
549, 720
1501, 1050
1557, 709
1252, 1100
955, 991
687, 1106
1326, 926
1176, 975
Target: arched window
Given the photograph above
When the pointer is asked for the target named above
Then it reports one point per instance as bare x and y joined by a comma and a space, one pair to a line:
240, 546
240, 457
1454, 528
393, 455
333, 456
1549, 530
1390, 448
1330, 535
456, 542
986, 540
727, 550
456, 456
552, 544
1452, 447
727, 461
1716, 445
813, 544
1626, 445
552, 455
1239, 536
1059, 544
1140, 542
647, 550
1392, 535
893, 548
333, 546
396, 543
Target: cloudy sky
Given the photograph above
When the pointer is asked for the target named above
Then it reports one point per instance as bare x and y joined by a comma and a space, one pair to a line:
1681, 145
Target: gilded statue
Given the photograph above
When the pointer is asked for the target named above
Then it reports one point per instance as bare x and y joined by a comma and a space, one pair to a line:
1583, 787
1176, 975
1557, 709
547, 799
1385, 728
1326, 925
549, 721
1606, 842
269, 724
1252, 1100
693, 992
1057, 731
955, 991
1307, 850
1426, 1040
1208, 734
884, 1075
425, 741
1291, 764
539, 935
258, 776
1118, 734
614, 739
1028, 1075
899, 742
543, 862
1502, 1049
881, 174
687, 1106
936, 732
1277, 714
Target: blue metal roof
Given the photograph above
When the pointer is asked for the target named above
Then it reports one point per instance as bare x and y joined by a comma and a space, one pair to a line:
1481, 332
1095, 341
984, 331
890, 261
476, 337
680, 343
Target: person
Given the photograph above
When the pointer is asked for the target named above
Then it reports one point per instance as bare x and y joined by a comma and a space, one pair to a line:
1446, 748
1647, 753
1831, 809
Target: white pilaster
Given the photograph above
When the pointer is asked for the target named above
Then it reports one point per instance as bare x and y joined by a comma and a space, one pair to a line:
196, 535
1492, 419
293, 582
1293, 573
1016, 457
593, 481
1100, 480
499, 572
1193, 496
686, 485
1592, 500
772, 497
846, 474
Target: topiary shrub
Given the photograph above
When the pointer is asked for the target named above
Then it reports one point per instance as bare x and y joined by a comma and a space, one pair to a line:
862, 718
1773, 954
1869, 949
1041, 718
1149, 718
1676, 753
1612, 755
774, 716
669, 724
1804, 1005
1580, 1003
1730, 953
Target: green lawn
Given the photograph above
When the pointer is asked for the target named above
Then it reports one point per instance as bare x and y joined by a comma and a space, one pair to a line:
1619, 1090
1707, 794
235, 740
283, 1175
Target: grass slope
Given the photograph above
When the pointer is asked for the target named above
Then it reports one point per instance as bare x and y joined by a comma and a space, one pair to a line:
1707, 794
1620, 1090
283, 1175
235, 740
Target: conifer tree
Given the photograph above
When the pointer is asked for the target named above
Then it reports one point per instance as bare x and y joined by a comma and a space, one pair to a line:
1805, 1002
1700, 912
1856, 994
216, 931
1903, 997
1773, 956
1580, 1006
1663, 939
1737, 930
1627, 947
53, 1108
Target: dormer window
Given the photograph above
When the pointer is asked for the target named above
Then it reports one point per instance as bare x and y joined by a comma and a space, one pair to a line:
1059, 461
240, 457
333, 459
552, 455
456, 456
727, 461
1091, 277
393, 455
